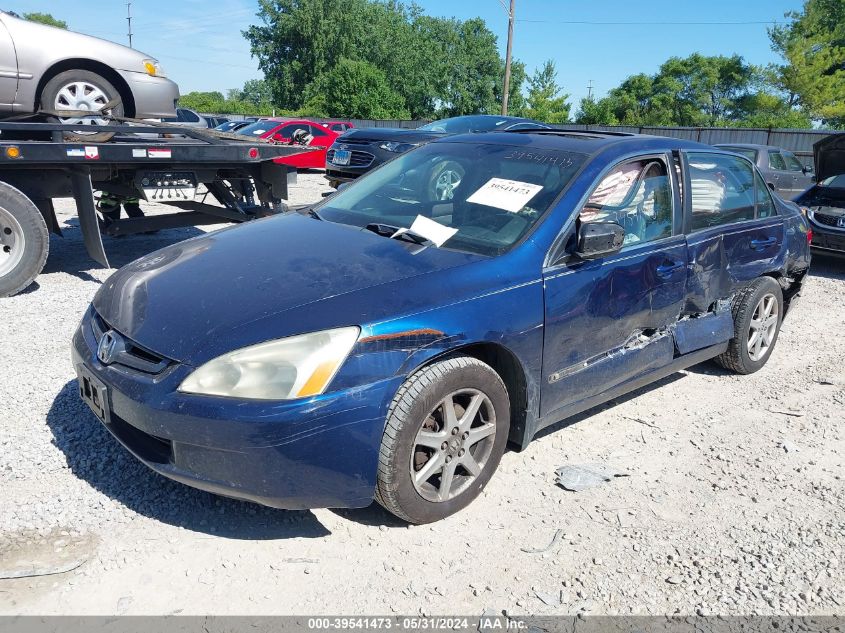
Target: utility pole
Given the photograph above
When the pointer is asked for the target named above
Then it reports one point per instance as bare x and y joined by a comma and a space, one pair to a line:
590, 90
507, 88
129, 20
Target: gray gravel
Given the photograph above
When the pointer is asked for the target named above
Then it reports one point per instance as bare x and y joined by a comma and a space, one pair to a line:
733, 503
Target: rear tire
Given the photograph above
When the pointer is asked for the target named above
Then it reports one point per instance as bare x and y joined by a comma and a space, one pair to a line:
433, 464
24, 241
757, 313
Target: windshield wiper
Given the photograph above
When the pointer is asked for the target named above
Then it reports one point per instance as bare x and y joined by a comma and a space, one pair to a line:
310, 212
388, 230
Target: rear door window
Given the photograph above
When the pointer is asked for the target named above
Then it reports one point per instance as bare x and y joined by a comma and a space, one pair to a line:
721, 190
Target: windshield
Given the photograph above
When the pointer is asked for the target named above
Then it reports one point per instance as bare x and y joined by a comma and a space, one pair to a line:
837, 182
259, 128
486, 197
465, 124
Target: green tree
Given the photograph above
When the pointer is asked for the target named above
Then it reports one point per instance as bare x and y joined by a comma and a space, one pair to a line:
545, 101
813, 47
256, 92
354, 89
596, 112
437, 65
45, 18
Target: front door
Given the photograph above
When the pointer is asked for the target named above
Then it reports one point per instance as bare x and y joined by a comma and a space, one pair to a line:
8, 69
608, 320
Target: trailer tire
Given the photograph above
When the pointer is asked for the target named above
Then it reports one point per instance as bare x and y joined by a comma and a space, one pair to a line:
24, 241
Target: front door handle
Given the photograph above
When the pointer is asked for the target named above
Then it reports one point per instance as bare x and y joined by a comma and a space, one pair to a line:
668, 269
759, 245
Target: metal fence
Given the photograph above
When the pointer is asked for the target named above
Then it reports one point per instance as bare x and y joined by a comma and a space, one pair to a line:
800, 142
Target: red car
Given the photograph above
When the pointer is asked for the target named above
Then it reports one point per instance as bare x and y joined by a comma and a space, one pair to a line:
282, 129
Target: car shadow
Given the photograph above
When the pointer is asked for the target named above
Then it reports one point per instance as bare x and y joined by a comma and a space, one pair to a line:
94, 456
660, 384
68, 254
827, 266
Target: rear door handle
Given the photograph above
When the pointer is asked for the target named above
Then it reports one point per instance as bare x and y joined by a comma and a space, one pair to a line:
668, 269
759, 245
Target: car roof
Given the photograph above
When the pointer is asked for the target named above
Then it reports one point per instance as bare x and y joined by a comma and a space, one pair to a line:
585, 142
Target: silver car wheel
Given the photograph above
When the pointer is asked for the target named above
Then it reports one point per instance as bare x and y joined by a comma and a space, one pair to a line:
446, 183
764, 326
12, 242
81, 95
453, 445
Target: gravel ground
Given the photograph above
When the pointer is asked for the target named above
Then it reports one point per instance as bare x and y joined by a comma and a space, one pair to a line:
733, 504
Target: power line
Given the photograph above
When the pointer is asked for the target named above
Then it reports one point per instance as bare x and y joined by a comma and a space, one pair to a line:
603, 23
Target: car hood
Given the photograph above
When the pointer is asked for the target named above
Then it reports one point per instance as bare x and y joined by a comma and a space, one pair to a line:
211, 294
388, 134
829, 156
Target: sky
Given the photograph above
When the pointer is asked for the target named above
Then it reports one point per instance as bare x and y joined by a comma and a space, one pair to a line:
600, 41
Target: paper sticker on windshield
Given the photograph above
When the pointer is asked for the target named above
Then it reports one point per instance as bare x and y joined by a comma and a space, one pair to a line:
510, 195
430, 230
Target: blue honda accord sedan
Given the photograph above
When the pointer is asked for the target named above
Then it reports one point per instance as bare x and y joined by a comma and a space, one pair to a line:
388, 342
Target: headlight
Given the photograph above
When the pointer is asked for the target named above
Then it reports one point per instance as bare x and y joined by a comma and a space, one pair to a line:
153, 68
294, 367
399, 148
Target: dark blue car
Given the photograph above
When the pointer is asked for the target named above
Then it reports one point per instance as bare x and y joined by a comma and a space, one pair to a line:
388, 342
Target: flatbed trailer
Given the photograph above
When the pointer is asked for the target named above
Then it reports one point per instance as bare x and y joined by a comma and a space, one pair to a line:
43, 161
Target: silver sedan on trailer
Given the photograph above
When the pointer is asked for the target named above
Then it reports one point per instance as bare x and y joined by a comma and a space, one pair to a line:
47, 68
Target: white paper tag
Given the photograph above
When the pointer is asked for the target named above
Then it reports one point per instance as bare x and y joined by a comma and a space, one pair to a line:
510, 195
430, 230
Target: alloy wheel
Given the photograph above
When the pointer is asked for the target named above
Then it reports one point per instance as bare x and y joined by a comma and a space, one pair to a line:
453, 445
764, 325
446, 183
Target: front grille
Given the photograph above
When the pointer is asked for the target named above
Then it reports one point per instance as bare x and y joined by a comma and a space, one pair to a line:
356, 159
133, 355
827, 220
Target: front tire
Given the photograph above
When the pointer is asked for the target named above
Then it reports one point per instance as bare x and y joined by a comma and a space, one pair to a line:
758, 314
446, 432
81, 90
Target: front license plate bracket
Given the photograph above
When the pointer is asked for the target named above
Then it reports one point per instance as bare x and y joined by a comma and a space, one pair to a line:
95, 394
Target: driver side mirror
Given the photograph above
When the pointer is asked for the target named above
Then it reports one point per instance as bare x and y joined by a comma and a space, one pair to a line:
597, 239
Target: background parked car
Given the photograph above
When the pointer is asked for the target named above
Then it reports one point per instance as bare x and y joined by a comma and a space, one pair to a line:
282, 130
360, 150
43, 67
215, 121
825, 201
782, 171
232, 126
338, 126
187, 118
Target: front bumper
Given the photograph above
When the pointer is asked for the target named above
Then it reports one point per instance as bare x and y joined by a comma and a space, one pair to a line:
314, 453
155, 97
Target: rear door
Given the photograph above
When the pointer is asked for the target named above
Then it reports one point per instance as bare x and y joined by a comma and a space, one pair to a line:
733, 231
607, 320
